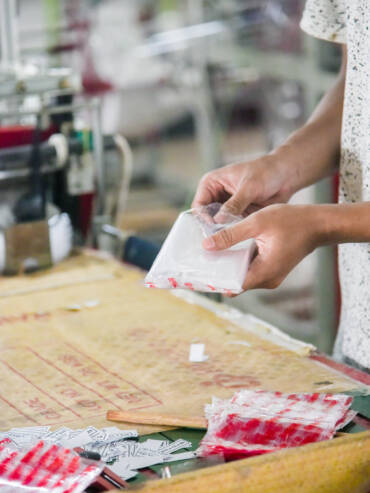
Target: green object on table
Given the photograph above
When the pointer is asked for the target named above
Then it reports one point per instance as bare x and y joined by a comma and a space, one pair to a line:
193, 436
361, 403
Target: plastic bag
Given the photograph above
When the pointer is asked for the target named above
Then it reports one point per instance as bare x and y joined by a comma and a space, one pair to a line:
254, 422
183, 262
44, 468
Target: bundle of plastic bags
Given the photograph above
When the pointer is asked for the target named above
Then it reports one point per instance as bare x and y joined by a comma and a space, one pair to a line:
254, 422
44, 468
183, 262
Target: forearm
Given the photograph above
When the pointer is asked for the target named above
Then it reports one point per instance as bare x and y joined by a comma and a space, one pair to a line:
312, 152
341, 223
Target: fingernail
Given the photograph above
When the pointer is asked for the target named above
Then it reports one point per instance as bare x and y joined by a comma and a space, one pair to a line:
209, 243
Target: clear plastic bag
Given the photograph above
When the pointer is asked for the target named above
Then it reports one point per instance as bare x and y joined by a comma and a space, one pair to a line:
183, 262
44, 468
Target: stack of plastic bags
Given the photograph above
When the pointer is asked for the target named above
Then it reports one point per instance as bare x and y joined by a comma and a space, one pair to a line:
44, 467
183, 262
256, 422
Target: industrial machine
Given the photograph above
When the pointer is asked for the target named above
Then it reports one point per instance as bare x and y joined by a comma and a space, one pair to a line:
61, 180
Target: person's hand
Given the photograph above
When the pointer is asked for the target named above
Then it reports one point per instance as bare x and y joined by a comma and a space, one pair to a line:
284, 234
246, 187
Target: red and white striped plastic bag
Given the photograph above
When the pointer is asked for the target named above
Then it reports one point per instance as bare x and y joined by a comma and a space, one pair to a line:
44, 468
183, 262
254, 422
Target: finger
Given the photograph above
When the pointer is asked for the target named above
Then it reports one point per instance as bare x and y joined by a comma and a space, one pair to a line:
230, 236
259, 275
236, 205
253, 208
203, 215
204, 194
223, 216
201, 198
255, 274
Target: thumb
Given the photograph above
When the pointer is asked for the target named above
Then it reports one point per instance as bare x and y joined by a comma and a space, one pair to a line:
230, 236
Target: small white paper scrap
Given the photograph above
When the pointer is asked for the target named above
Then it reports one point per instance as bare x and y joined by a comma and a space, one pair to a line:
176, 445
129, 474
121, 468
76, 441
31, 430
74, 433
140, 462
154, 444
73, 308
180, 456
91, 303
196, 354
117, 434
124, 464
95, 434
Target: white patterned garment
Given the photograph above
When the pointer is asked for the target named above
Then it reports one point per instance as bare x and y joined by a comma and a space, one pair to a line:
348, 21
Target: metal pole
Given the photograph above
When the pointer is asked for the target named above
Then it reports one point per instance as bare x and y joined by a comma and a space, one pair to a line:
9, 33
325, 289
204, 111
98, 156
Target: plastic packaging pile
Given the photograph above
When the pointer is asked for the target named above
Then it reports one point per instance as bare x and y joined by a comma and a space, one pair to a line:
183, 262
256, 422
44, 468
114, 446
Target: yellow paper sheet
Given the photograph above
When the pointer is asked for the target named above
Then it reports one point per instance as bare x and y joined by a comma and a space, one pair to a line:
131, 351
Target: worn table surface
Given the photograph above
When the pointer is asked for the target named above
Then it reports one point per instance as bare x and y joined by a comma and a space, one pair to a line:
62, 365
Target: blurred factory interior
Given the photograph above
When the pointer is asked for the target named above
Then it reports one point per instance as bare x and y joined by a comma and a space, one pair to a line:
127, 103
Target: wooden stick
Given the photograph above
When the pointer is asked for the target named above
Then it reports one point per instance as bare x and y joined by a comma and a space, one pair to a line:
158, 419
165, 420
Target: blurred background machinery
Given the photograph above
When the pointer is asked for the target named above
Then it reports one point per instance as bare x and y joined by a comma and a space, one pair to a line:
111, 111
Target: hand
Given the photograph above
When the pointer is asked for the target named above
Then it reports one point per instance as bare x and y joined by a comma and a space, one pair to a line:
246, 187
284, 234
